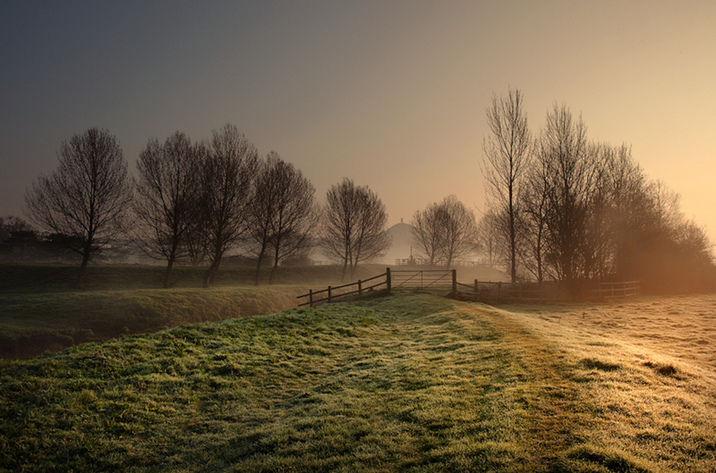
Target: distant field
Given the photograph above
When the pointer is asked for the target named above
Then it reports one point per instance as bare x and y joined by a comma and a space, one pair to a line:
406, 382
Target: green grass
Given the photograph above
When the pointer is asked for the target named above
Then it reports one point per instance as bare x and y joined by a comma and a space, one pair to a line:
40, 309
406, 382
33, 323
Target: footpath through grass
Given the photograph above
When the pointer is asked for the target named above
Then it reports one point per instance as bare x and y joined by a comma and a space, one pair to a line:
407, 382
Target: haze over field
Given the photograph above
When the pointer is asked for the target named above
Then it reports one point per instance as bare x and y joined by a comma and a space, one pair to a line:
390, 94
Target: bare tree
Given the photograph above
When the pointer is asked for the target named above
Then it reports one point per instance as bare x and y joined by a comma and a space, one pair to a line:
507, 154
354, 225
86, 197
532, 224
166, 200
229, 169
428, 232
568, 173
445, 231
460, 230
282, 210
487, 242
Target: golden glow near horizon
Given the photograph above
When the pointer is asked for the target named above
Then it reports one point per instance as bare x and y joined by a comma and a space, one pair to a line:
391, 94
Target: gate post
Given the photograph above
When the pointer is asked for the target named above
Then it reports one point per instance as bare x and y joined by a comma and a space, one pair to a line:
387, 279
310, 297
454, 281
329, 293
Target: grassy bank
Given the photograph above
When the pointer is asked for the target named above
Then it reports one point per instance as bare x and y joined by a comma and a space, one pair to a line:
33, 323
407, 382
40, 308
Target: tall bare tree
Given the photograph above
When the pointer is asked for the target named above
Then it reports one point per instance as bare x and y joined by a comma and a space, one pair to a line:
282, 212
85, 198
229, 168
353, 230
166, 200
533, 222
568, 173
507, 155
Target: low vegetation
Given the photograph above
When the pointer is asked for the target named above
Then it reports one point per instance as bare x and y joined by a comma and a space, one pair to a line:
406, 382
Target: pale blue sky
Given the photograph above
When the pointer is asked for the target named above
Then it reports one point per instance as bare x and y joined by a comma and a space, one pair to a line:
389, 93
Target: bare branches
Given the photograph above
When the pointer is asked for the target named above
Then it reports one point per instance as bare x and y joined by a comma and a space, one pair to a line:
353, 230
167, 197
229, 168
86, 197
445, 231
282, 212
507, 157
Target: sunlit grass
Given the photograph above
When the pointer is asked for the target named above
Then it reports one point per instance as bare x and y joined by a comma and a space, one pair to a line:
409, 382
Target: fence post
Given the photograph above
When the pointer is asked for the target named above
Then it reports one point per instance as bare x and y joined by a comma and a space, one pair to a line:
499, 287
310, 298
387, 279
329, 293
475, 286
360, 288
454, 281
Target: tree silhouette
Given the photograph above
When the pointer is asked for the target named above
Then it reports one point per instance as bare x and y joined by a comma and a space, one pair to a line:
229, 168
353, 230
86, 197
166, 200
282, 212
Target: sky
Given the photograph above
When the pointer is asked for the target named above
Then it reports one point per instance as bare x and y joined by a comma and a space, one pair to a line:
390, 93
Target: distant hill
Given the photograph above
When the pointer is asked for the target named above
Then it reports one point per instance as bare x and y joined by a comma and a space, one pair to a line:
401, 243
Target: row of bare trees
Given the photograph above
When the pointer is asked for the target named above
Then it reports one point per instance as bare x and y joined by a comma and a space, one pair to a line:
195, 201
566, 208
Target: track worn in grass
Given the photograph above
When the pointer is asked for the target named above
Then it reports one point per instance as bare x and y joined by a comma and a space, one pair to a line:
407, 382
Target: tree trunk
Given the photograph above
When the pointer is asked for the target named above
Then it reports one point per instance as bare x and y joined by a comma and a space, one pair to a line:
213, 269
83, 267
275, 265
258, 264
167, 273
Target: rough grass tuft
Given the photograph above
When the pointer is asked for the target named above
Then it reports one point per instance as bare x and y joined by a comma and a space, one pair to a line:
594, 364
663, 369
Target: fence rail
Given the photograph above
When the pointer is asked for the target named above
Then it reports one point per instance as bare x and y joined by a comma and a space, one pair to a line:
335, 293
545, 292
611, 290
482, 291
425, 279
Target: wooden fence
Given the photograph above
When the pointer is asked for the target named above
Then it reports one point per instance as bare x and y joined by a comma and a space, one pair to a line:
550, 291
446, 280
336, 293
425, 279
609, 290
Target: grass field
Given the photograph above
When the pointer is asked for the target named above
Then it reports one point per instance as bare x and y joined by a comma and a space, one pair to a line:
406, 382
40, 309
